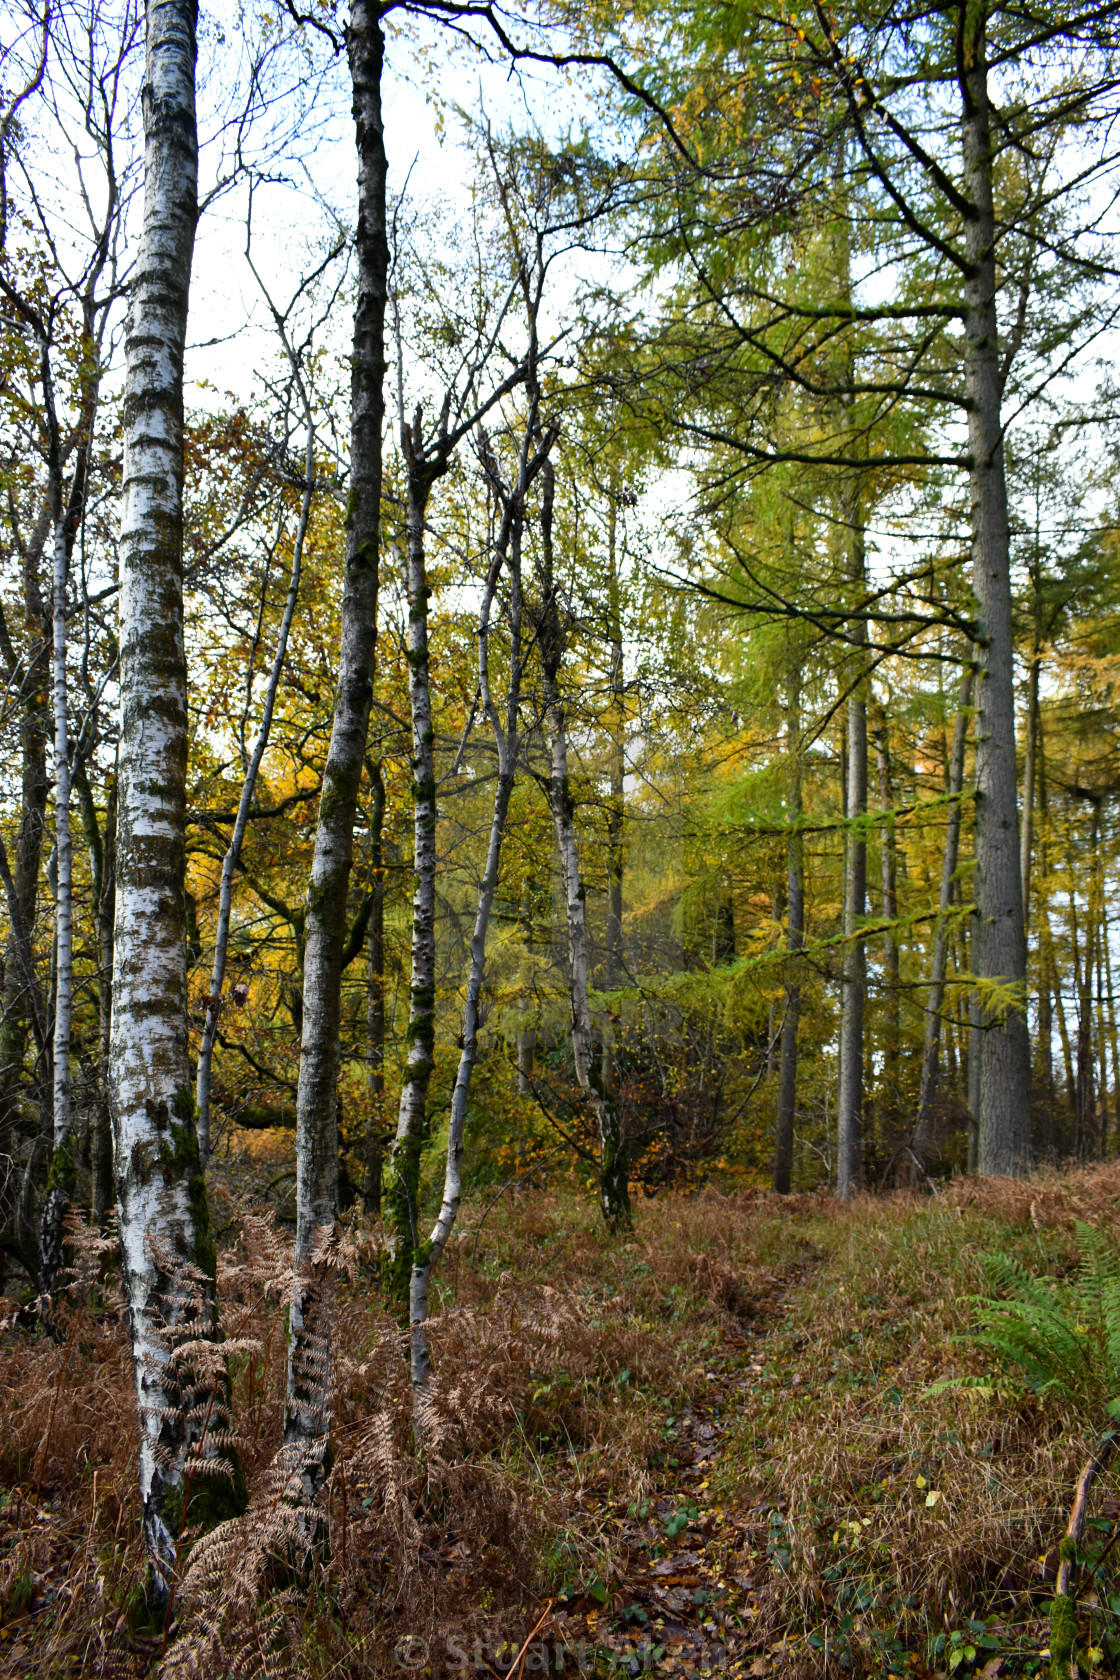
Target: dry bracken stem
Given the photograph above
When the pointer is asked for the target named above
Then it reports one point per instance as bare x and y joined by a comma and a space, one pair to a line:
57, 1391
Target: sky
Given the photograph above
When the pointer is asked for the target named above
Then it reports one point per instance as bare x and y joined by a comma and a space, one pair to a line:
313, 182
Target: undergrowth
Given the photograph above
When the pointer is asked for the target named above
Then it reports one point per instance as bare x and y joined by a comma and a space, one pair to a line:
858, 1522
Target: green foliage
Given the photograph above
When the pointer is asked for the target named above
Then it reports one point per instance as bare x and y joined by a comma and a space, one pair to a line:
1060, 1335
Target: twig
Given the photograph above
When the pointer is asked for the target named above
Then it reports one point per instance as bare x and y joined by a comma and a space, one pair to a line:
515, 1672
1063, 1616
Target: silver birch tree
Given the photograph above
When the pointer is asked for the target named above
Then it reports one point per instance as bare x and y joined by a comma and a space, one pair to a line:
166, 1251
308, 1411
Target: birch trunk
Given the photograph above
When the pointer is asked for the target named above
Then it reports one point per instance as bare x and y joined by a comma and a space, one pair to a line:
62, 1176
307, 1420
402, 1211
506, 747
168, 1259
102, 1187
375, 1004
927, 1090
614, 1190
1005, 1094
616, 808
795, 934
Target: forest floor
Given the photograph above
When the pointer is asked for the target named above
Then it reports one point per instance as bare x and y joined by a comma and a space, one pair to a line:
707, 1448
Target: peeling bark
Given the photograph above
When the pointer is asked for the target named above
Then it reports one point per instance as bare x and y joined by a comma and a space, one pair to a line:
168, 1259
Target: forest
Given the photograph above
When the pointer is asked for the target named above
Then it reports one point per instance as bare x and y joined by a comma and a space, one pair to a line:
559, 839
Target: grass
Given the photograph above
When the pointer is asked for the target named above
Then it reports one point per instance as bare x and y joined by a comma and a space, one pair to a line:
711, 1445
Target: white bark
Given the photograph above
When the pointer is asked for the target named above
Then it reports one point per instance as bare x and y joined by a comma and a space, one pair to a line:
60, 1182
307, 1419
401, 1192
506, 746
160, 1195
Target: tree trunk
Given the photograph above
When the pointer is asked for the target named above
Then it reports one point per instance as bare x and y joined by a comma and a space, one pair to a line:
795, 935
614, 1189
1005, 1118
1114, 1043
526, 1034
975, 1054
888, 861
307, 1421
62, 1177
923, 1130
101, 1196
1030, 775
1084, 965
616, 807
167, 1255
402, 1212
102, 851
506, 745
19, 1007
853, 985
375, 1004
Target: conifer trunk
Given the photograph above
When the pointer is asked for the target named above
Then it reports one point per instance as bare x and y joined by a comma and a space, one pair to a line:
168, 1259
795, 934
1030, 776
923, 1130
888, 876
308, 1419
853, 985
1005, 1114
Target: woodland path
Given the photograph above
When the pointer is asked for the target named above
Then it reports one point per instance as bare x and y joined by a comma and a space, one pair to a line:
690, 1575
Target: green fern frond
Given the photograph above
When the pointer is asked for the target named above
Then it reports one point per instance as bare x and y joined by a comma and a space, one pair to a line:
1061, 1335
